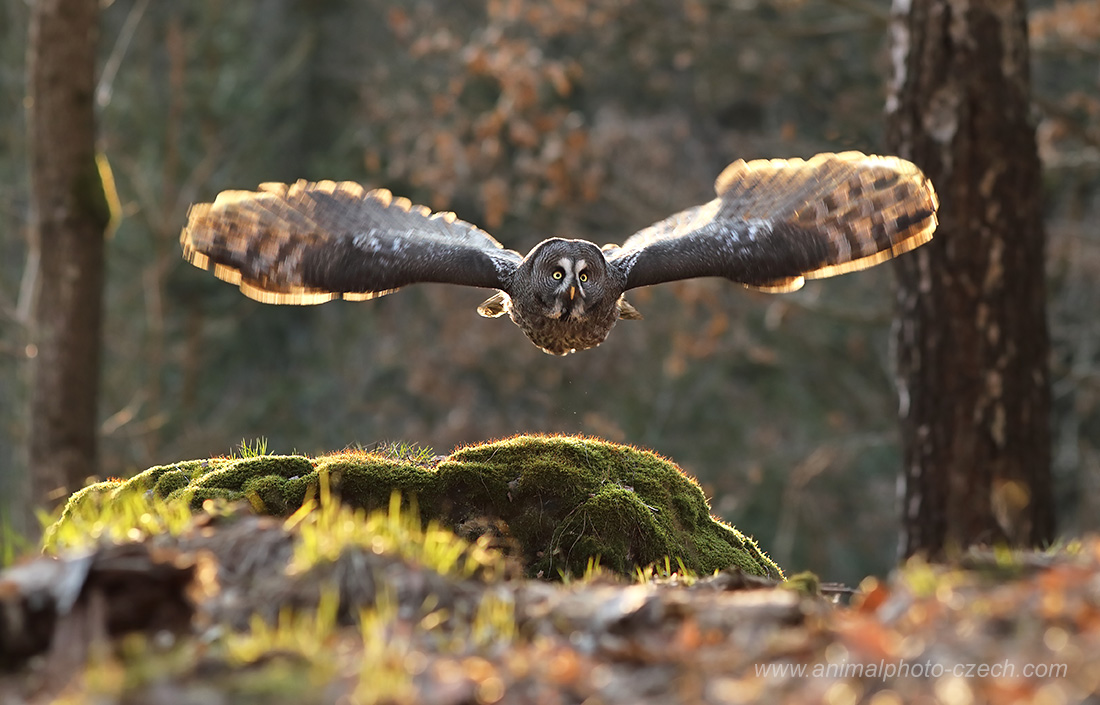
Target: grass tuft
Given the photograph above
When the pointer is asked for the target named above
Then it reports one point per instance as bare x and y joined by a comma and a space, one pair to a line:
326, 527
383, 674
305, 634
406, 452
254, 449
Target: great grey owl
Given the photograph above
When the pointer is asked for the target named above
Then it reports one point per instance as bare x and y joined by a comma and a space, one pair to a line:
773, 224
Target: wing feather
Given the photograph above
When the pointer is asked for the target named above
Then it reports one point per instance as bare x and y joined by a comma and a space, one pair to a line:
778, 222
307, 243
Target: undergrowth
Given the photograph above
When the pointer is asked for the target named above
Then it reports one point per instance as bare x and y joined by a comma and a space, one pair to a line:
290, 657
130, 515
325, 528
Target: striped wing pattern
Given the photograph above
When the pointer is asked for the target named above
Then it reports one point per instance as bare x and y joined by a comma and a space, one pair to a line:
307, 243
778, 222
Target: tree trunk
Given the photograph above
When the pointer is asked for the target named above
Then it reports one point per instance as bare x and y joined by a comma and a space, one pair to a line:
971, 330
69, 217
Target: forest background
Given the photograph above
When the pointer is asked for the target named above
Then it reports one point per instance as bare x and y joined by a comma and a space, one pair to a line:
533, 119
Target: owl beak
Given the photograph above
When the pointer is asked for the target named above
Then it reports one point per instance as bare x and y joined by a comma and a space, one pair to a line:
572, 292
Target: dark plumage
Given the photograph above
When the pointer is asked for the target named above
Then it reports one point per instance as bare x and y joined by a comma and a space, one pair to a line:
773, 224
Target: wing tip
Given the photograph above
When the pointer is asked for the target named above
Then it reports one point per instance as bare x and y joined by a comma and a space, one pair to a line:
302, 297
919, 237
195, 257
780, 286
363, 295
299, 296
733, 172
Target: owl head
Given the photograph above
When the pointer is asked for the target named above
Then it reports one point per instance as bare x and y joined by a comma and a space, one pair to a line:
568, 278
564, 296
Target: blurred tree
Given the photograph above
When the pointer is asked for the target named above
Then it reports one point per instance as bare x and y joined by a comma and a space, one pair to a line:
69, 219
971, 330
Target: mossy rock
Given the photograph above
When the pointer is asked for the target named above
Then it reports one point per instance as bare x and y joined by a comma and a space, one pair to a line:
563, 500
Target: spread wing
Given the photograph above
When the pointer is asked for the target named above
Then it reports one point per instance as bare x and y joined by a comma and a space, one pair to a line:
308, 243
777, 222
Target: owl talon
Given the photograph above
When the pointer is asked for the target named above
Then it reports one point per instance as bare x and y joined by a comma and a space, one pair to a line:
495, 306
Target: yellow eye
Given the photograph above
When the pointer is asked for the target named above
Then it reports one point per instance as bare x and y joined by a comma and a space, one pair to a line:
558, 274
583, 277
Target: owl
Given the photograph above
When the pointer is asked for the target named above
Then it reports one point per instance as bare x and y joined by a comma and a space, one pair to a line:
773, 224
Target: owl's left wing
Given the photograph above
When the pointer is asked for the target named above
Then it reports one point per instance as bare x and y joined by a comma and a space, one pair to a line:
777, 222
307, 243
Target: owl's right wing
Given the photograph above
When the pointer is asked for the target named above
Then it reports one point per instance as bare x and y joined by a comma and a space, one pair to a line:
307, 243
777, 222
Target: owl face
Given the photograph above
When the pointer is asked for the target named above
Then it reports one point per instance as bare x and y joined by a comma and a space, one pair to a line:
569, 278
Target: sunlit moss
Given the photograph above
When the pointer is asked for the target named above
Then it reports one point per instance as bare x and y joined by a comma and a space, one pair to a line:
188, 470
572, 498
114, 512
171, 481
806, 583
234, 474
564, 500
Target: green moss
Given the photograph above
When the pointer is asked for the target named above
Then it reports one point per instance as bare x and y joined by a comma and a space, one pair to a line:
366, 480
195, 496
266, 494
564, 500
186, 470
614, 525
297, 489
86, 499
108, 512
568, 499
805, 582
235, 473
171, 481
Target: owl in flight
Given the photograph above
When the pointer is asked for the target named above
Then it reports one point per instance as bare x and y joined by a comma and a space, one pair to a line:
773, 224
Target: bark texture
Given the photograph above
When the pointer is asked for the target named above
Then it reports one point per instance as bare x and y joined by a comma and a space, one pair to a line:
68, 223
971, 331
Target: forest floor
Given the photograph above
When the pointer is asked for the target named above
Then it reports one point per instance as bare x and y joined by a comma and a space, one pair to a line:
288, 580
224, 610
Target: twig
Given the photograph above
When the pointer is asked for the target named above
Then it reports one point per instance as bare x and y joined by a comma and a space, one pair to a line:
118, 52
